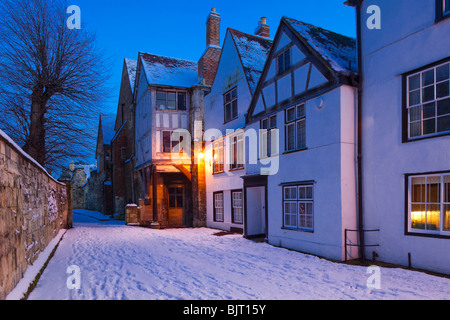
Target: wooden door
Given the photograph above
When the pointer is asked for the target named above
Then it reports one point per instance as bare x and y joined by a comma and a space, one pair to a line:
176, 205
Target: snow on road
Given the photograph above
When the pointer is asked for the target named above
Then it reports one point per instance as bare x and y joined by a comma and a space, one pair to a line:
123, 262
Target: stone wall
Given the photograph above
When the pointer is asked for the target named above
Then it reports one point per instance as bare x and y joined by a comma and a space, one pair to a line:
33, 208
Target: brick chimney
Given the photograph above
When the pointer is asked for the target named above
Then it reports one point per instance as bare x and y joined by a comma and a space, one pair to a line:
263, 28
207, 65
213, 29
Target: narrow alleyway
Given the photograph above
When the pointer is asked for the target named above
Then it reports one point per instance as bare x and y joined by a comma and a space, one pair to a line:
122, 262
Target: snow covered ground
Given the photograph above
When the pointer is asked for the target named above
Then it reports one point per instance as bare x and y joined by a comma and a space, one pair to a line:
115, 261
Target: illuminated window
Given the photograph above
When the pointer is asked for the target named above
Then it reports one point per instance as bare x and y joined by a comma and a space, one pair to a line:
429, 204
218, 156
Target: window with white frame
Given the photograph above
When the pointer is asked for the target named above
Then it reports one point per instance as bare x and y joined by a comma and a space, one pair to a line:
428, 102
230, 105
442, 9
446, 7
218, 156
429, 204
298, 207
237, 208
284, 61
295, 128
218, 206
236, 151
268, 137
171, 100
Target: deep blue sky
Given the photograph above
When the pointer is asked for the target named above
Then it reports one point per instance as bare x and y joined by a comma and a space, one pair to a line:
178, 28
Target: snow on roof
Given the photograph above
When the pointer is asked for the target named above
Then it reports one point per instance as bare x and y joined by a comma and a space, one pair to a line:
131, 68
338, 50
169, 71
253, 51
108, 124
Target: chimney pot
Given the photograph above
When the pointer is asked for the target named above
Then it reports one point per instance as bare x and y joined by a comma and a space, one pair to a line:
263, 28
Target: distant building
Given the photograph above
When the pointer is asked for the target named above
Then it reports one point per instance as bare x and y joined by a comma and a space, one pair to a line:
78, 173
98, 191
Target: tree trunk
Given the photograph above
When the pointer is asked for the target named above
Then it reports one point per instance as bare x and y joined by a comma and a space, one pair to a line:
35, 143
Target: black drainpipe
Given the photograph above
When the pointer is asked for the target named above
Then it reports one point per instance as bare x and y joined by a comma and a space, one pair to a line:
360, 94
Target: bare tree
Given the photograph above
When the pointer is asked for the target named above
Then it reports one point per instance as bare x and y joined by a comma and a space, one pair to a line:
52, 80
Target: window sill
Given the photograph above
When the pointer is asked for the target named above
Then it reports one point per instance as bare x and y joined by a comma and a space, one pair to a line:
431, 136
418, 233
236, 169
293, 151
298, 230
217, 173
225, 122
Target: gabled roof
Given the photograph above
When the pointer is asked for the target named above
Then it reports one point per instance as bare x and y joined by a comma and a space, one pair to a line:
131, 69
337, 50
168, 71
252, 51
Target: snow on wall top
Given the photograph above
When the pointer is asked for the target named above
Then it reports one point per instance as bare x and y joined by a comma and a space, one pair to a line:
338, 50
131, 68
26, 155
169, 71
253, 51
108, 124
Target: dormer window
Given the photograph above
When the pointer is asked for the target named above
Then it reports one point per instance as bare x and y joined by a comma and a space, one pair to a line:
284, 61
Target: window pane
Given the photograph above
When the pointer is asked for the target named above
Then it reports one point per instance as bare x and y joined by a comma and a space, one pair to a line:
166, 141
429, 126
234, 94
290, 193
443, 124
179, 201
280, 63
171, 101
446, 225
160, 100
309, 193
301, 134
434, 189
227, 112
418, 190
287, 59
447, 188
302, 193
442, 72
264, 124
273, 122
429, 110
414, 98
442, 90
415, 129
418, 216
415, 113
181, 103
414, 82
433, 217
443, 107
172, 201
290, 137
290, 115
234, 109
301, 111
428, 77
428, 94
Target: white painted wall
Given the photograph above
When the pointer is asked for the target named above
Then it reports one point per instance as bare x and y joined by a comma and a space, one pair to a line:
409, 39
229, 75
